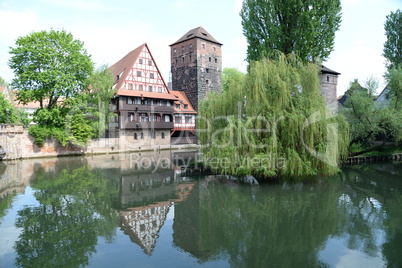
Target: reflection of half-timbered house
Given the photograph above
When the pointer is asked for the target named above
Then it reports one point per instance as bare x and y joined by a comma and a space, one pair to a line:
143, 102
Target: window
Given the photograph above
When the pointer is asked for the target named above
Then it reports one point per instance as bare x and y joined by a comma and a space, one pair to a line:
327, 78
203, 45
137, 101
131, 117
152, 134
207, 70
140, 61
177, 106
182, 59
185, 106
207, 81
160, 89
129, 100
164, 103
174, 51
190, 57
214, 49
187, 119
151, 75
130, 86
167, 118
209, 59
144, 118
182, 48
216, 60
140, 87
150, 63
142, 135
150, 88
177, 119
163, 135
135, 136
139, 73
191, 45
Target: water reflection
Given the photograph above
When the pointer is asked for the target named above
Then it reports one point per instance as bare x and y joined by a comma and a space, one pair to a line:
353, 217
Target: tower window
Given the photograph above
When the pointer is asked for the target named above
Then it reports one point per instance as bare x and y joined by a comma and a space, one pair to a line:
209, 59
214, 49
216, 60
182, 59
207, 81
174, 51
191, 45
163, 135
207, 70
203, 45
182, 48
135, 136
327, 78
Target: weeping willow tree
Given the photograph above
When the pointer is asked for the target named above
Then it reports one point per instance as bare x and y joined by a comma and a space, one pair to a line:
273, 124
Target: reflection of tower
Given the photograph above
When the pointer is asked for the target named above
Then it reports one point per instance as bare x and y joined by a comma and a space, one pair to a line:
196, 65
144, 223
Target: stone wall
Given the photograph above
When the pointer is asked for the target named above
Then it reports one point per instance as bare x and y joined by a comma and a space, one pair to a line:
19, 144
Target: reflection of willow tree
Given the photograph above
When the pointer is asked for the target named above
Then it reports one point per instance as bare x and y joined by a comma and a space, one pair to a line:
75, 208
257, 227
5, 203
373, 202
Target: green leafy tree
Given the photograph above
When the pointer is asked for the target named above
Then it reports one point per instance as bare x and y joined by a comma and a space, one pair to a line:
369, 121
49, 66
276, 114
305, 27
231, 75
8, 114
393, 45
394, 80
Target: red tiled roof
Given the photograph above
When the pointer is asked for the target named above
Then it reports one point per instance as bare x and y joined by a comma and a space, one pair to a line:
145, 94
181, 98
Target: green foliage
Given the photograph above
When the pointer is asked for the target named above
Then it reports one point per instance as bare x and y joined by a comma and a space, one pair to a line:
393, 45
274, 123
368, 120
49, 66
231, 75
306, 28
394, 80
12, 116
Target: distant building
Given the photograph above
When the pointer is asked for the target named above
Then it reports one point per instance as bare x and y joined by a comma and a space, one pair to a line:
196, 65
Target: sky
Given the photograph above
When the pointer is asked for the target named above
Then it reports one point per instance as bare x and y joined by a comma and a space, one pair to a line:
111, 29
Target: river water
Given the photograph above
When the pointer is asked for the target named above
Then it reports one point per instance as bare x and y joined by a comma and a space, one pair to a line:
140, 210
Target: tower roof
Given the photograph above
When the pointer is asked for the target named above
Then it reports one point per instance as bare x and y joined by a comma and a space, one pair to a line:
326, 70
198, 32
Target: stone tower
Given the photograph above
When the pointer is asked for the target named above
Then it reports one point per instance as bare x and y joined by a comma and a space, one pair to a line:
328, 83
196, 65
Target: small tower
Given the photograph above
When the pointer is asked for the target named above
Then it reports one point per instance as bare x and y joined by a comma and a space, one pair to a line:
196, 65
328, 83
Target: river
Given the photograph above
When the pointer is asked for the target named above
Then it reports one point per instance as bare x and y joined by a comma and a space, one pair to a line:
141, 210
